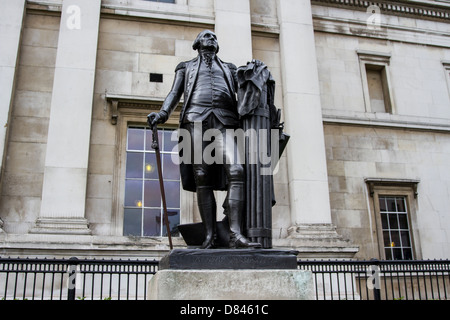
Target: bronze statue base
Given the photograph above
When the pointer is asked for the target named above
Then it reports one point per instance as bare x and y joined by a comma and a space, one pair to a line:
194, 234
213, 259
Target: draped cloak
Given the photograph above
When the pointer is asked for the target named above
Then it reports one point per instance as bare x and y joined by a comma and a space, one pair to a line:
256, 89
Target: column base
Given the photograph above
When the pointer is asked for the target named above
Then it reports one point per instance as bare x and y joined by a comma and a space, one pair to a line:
79, 226
317, 240
315, 232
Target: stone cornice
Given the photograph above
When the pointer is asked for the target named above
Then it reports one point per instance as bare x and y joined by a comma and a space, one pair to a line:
419, 9
120, 103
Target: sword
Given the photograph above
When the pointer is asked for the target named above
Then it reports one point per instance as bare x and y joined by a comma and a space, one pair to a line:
155, 145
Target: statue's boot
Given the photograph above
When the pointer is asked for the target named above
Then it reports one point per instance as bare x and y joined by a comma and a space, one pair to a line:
235, 211
207, 208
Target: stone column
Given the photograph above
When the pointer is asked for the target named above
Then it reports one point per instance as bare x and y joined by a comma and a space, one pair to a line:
11, 19
233, 30
307, 168
66, 163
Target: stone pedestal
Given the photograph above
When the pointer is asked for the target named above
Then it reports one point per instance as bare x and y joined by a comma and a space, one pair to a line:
231, 285
234, 274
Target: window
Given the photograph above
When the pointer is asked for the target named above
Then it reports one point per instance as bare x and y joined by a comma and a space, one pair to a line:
395, 218
378, 91
142, 201
375, 78
395, 226
446, 64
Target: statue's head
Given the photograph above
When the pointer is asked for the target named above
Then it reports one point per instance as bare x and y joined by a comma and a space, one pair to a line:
206, 40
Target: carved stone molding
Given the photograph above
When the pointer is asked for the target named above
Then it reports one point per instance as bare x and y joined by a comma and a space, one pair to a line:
427, 10
373, 182
125, 103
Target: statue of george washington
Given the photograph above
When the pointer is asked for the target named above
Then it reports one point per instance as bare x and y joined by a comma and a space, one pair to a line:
209, 86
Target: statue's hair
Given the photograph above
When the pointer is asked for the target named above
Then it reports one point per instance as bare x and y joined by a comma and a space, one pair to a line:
196, 43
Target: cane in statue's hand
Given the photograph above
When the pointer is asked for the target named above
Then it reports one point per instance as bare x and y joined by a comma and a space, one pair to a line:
152, 120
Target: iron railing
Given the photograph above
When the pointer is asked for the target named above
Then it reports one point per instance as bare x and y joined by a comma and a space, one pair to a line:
61, 279
93, 279
380, 280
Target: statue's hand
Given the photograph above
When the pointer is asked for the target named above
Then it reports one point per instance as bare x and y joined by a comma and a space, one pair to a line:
156, 117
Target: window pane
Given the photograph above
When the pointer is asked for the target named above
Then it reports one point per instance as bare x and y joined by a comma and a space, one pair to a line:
172, 191
133, 193
134, 165
382, 202
407, 254
403, 220
386, 238
151, 168
174, 221
395, 238
171, 170
152, 222
152, 194
388, 253
132, 222
401, 205
384, 222
390, 204
405, 239
169, 145
393, 221
397, 252
135, 139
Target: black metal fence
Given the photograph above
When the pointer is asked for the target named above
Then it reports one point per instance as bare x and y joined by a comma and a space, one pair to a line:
380, 280
71, 279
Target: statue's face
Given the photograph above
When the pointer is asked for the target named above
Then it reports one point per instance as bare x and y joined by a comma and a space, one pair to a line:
209, 40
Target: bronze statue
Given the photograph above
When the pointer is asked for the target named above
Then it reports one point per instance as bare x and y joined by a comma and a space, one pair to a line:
256, 91
210, 87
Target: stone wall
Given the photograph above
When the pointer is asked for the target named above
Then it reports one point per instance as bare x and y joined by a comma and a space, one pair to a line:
412, 141
355, 153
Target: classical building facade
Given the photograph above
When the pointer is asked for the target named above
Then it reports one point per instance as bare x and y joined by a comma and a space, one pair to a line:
364, 89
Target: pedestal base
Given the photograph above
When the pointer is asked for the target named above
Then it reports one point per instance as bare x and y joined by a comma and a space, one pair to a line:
213, 259
231, 285
231, 274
